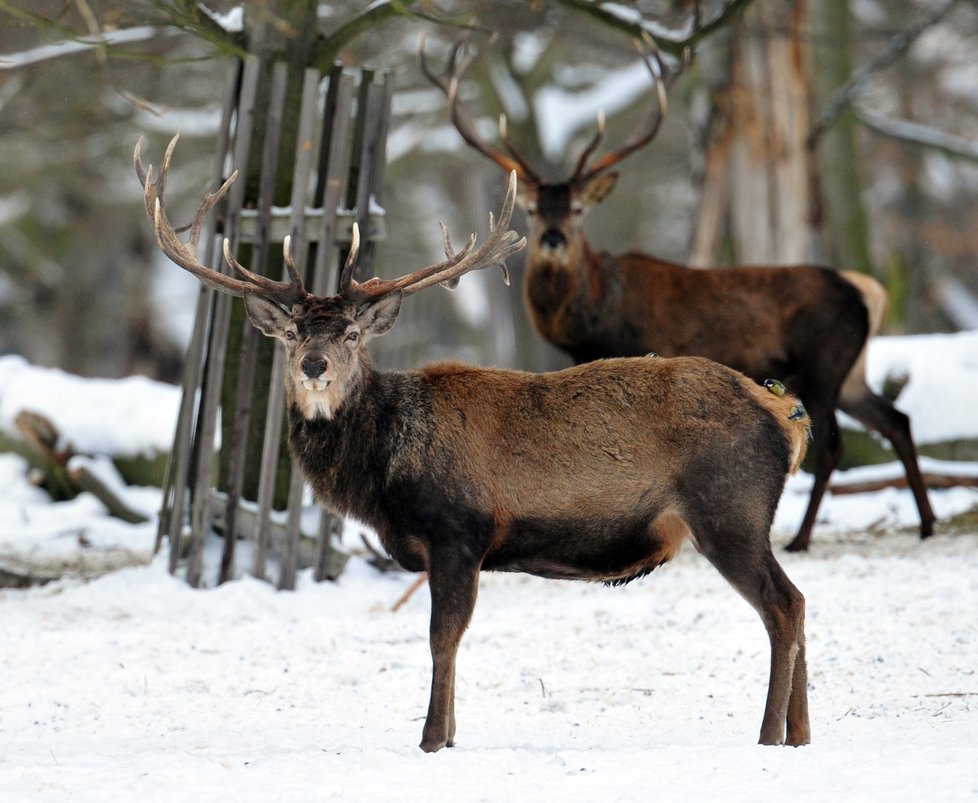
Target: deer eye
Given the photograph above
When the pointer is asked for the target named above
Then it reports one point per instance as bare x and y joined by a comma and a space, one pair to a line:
577, 209
531, 210
352, 337
289, 334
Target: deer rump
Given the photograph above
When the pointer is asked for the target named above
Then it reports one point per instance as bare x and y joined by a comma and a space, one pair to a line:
596, 472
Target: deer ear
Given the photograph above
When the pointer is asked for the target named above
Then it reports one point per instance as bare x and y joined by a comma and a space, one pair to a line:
377, 317
597, 189
266, 316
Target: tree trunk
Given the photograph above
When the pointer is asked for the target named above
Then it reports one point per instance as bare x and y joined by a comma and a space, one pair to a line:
844, 217
759, 191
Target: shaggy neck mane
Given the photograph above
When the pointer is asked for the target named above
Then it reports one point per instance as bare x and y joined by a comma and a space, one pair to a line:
340, 454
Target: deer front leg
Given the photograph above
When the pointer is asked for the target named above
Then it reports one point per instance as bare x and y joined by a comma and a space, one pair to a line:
453, 592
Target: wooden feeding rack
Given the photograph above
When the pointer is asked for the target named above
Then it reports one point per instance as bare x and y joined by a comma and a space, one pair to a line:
336, 179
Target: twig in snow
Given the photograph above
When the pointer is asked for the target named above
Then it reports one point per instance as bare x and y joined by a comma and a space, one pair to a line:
420, 581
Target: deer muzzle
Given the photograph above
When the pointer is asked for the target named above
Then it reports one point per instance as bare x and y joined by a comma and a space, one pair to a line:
553, 238
314, 368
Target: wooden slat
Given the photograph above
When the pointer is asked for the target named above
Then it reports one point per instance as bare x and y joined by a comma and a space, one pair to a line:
290, 554
200, 511
243, 397
333, 168
276, 393
175, 494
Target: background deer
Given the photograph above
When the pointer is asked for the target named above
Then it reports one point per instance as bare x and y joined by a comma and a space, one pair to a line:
805, 324
445, 462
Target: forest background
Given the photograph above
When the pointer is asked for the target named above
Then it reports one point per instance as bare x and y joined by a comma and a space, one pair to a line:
841, 132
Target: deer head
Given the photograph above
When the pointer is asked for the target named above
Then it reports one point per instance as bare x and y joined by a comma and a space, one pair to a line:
554, 211
324, 336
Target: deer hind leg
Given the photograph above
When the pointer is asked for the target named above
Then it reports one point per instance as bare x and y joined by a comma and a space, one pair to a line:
782, 609
762, 582
454, 586
826, 451
876, 413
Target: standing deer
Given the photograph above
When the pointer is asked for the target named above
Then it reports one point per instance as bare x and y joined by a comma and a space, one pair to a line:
446, 461
808, 325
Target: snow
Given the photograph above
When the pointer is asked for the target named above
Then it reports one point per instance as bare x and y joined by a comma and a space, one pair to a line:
943, 381
128, 417
135, 686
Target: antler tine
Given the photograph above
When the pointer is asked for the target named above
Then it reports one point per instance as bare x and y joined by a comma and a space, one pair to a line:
499, 244
184, 254
591, 146
646, 129
145, 179
525, 170
449, 82
346, 275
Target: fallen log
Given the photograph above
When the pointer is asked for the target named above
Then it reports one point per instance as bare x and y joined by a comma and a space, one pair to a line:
931, 480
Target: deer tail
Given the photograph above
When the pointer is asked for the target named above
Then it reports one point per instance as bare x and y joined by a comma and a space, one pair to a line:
791, 416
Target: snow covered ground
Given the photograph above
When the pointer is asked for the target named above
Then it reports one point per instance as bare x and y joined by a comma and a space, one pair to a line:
135, 687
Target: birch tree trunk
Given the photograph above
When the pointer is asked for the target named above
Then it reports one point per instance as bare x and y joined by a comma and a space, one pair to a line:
759, 193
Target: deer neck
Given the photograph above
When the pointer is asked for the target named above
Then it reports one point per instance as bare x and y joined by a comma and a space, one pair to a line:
564, 290
344, 456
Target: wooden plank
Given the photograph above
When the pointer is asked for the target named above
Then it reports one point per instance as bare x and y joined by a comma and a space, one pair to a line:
200, 509
245, 522
311, 226
290, 551
175, 497
247, 358
371, 179
333, 167
271, 443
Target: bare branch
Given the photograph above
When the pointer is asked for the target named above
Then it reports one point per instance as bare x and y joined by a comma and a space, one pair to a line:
675, 43
917, 134
843, 97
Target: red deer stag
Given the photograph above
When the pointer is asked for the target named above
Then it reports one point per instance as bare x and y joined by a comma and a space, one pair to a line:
807, 325
445, 461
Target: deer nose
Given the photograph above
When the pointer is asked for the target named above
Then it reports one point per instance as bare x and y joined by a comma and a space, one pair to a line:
314, 367
552, 238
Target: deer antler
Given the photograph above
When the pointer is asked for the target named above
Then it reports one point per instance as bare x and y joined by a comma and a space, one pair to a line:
448, 82
646, 129
184, 254
500, 243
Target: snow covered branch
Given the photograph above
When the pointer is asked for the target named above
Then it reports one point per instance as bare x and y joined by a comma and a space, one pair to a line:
80, 44
909, 131
671, 40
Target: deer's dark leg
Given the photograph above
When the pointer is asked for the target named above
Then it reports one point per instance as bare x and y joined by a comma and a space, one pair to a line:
878, 414
826, 450
799, 728
454, 584
782, 609
756, 574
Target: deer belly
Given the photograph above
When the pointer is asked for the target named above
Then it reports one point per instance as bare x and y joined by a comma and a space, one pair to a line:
614, 551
